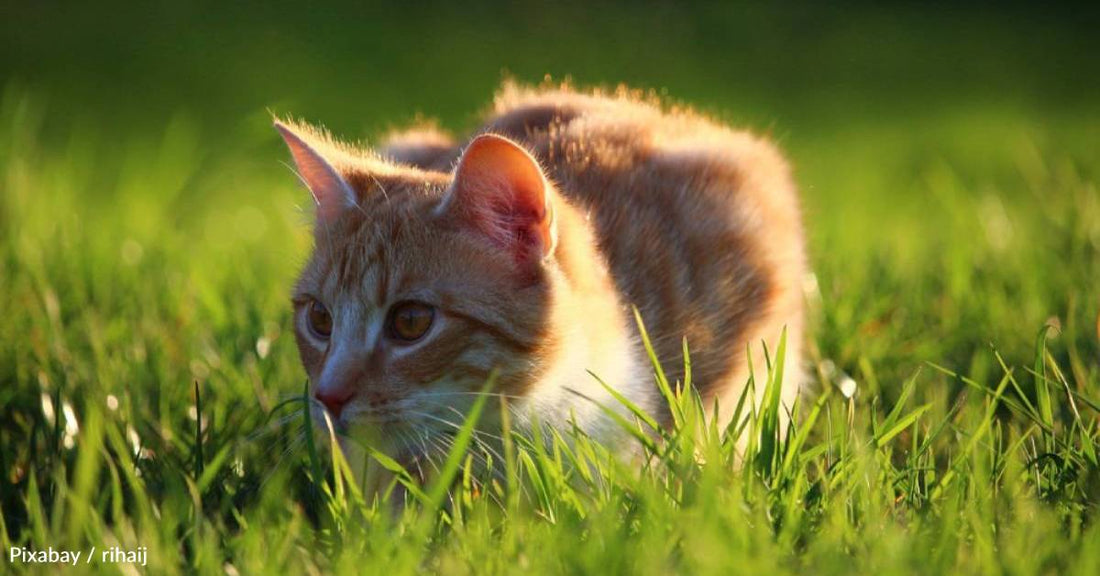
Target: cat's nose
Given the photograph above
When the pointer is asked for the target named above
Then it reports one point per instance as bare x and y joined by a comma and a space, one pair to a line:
334, 400
338, 382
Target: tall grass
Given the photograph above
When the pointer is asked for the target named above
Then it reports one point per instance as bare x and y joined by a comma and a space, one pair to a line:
152, 395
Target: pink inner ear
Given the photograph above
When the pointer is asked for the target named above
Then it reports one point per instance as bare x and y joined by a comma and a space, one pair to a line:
331, 193
501, 189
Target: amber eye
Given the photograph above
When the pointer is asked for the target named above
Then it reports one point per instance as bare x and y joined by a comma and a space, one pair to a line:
320, 321
410, 320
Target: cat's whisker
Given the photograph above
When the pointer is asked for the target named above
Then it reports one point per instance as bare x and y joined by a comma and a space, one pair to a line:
470, 393
455, 425
437, 441
292, 447
273, 427
476, 433
446, 445
426, 450
512, 407
403, 437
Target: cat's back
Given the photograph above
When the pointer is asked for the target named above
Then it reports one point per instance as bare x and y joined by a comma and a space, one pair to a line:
699, 223
645, 155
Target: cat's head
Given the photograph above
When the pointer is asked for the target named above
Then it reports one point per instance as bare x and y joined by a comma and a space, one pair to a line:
421, 283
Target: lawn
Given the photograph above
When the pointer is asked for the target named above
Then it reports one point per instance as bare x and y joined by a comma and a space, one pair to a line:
948, 161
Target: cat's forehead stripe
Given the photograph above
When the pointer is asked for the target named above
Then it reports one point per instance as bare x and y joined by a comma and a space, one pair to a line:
364, 267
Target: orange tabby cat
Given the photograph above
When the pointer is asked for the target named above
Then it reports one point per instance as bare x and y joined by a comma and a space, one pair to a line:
522, 251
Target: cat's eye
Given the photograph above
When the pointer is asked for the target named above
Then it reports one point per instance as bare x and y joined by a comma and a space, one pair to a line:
319, 320
409, 321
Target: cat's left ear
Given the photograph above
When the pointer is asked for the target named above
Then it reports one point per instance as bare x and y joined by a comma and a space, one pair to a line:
500, 189
331, 193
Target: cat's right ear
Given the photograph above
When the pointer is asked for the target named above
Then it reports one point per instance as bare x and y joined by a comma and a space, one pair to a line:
330, 192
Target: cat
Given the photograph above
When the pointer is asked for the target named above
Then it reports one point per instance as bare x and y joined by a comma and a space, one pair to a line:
520, 252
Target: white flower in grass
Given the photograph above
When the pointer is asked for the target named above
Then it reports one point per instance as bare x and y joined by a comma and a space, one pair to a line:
135, 440
263, 347
72, 427
47, 408
847, 386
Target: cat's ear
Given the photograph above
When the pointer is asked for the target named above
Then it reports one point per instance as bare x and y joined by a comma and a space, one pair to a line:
500, 189
330, 192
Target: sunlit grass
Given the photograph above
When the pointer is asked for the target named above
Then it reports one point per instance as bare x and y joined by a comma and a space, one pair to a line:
152, 394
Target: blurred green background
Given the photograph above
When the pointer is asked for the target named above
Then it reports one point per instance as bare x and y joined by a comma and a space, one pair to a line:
364, 65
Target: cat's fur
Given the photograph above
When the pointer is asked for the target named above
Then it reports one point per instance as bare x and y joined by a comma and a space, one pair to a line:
534, 261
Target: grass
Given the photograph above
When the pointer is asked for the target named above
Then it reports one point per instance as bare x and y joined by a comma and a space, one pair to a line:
149, 381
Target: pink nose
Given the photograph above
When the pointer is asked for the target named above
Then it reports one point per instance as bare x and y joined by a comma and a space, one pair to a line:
334, 400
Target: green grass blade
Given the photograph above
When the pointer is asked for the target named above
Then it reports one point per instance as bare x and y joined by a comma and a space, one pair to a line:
902, 423
437, 492
659, 372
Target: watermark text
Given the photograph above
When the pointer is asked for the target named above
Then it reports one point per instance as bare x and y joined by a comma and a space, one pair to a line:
109, 555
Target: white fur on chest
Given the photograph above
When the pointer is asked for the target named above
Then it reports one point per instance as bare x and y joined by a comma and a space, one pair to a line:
568, 390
